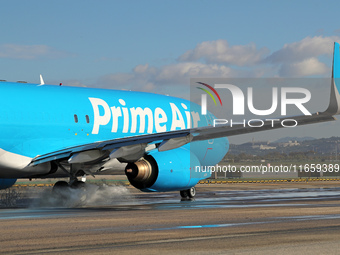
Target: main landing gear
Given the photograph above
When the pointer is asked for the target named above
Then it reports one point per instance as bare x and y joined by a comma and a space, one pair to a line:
62, 186
69, 194
63, 189
188, 194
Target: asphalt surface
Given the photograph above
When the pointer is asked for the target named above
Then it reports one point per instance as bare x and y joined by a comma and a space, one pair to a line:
300, 218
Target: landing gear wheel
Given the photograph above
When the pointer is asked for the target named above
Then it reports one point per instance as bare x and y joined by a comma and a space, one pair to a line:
184, 193
60, 188
192, 192
188, 194
60, 185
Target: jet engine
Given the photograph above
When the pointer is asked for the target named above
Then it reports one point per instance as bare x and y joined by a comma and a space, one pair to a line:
7, 183
165, 171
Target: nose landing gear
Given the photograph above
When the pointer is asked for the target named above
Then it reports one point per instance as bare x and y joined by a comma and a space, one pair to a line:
188, 194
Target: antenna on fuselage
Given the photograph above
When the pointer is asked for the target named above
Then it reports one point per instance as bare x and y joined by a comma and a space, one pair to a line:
41, 80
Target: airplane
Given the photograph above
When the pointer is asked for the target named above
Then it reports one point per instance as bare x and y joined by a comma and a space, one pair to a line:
50, 131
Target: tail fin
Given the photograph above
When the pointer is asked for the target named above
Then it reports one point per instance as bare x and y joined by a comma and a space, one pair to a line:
336, 61
334, 104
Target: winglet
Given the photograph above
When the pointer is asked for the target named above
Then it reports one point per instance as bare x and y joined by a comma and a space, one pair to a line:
41, 80
334, 104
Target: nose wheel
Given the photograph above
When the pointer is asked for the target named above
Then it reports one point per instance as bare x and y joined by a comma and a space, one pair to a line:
188, 194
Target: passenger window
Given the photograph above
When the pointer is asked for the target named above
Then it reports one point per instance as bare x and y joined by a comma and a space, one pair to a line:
75, 118
87, 118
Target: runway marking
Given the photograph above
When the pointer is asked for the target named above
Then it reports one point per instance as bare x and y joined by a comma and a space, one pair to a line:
271, 220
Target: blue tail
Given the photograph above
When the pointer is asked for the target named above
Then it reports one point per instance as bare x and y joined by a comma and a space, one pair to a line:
336, 62
334, 104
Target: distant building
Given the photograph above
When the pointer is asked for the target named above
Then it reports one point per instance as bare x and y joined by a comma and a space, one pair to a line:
267, 147
262, 145
290, 144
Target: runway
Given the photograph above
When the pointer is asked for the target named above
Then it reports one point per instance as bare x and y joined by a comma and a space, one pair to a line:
224, 219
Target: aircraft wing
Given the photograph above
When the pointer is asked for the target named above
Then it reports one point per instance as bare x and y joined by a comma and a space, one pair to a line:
110, 145
173, 139
206, 133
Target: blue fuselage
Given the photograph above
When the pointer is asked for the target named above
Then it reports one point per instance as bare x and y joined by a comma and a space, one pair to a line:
36, 120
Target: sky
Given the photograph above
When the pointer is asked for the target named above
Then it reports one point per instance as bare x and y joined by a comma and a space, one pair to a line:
149, 45
157, 46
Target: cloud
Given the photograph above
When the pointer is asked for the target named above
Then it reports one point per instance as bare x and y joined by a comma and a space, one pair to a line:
182, 72
147, 78
219, 52
300, 59
29, 52
307, 67
302, 50
219, 59
217, 56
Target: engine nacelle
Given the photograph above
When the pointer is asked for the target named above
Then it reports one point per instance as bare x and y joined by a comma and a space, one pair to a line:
7, 183
165, 171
